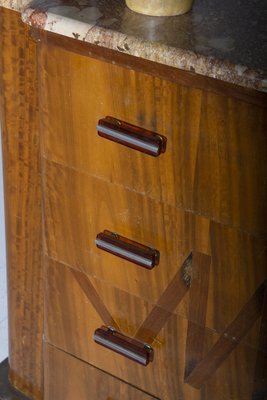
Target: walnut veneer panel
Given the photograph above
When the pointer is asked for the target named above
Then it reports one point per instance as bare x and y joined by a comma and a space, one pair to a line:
78, 206
72, 316
67, 378
20, 141
215, 162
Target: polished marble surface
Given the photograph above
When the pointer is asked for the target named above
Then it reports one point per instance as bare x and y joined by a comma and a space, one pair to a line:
221, 39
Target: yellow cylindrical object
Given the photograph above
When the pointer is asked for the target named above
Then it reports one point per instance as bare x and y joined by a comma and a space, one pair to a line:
160, 7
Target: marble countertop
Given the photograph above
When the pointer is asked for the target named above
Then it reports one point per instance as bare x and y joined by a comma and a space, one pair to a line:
225, 40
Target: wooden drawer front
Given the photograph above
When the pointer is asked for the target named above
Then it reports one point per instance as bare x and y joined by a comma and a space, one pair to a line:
76, 305
215, 160
67, 378
78, 207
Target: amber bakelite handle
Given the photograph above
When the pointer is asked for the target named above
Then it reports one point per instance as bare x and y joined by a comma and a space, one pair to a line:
133, 349
132, 136
128, 249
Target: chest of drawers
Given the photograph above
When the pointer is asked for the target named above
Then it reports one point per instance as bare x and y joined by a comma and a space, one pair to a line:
201, 312
194, 306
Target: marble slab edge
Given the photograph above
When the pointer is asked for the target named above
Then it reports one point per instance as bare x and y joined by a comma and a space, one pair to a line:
53, 20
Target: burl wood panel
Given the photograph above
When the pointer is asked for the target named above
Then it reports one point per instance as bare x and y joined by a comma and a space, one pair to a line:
78, 206
71, 319
20, 141
215, 161
67, 378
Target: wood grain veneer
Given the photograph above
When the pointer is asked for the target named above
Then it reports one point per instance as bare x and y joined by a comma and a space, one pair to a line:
78, 206
67, 378
201, 204
153, 68
20, 143
238, 328
260, 375
71, 320
215, 159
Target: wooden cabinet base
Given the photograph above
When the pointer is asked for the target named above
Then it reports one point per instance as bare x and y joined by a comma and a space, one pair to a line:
68, 378
7, 391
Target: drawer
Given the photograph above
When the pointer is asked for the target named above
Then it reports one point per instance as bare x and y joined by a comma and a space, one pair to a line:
215, 159
67, 378
79, 206
76, 305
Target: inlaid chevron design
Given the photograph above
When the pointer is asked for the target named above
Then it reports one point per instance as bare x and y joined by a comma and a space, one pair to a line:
167, 303
199, 369
160, 313
193, 276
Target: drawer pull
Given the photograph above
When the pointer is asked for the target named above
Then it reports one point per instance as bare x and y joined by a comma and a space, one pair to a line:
133, 349
132, 136
128, 249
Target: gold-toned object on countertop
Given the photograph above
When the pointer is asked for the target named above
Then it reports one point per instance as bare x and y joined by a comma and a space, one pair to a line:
160, 7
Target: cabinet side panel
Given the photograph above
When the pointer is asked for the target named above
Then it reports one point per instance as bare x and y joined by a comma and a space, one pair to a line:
18, 95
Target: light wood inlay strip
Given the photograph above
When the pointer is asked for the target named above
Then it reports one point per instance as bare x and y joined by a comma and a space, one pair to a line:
260, 377
197, 311
166, 304
94, 298
229, 339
